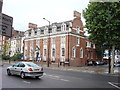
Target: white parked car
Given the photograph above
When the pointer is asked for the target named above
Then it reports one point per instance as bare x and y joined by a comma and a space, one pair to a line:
25, 69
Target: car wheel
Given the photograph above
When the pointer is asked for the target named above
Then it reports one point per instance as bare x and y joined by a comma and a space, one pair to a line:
22, 75
8, 72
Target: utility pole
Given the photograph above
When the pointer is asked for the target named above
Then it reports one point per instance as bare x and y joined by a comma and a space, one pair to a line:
48, 61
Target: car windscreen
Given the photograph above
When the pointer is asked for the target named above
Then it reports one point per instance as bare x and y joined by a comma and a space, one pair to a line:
32, 65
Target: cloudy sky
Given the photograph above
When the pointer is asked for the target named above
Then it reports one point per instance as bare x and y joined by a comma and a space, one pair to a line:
25, 11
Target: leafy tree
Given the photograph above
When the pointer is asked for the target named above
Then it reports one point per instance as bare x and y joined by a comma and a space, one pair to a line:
5, 47
103, 22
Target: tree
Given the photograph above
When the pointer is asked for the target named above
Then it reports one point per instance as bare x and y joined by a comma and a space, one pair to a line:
5, 47
103, 22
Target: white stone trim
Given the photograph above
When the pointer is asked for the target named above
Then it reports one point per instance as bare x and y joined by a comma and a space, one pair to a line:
45, 37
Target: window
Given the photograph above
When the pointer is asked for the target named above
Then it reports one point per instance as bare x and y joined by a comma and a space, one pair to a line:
53, 52
42, 32
73, 52
50, 30
21, 65
63, 51
15, 65
30, 64
31, 52
63, 27
88, 44
46, 31
94, 46
81, 53
78, 40
35, 32
45, 42
53, 40
44, 52
58, 29
37, 42
54, 28
77, 29
32, 43
63, 39
29, 33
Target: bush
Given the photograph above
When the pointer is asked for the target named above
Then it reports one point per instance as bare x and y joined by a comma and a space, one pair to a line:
4, 57
16, 57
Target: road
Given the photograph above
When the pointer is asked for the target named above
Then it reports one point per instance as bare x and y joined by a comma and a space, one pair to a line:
60, 79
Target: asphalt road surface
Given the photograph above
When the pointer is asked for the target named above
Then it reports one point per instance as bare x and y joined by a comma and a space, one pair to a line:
60, 79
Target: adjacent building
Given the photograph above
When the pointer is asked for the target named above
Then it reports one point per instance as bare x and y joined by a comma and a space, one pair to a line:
60, 42
14, 44
1, 2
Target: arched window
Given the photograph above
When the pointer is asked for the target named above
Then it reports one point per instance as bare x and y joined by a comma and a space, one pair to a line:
63, 51
78, 40
77, 29
73, 52
63, 27
53, 52
46, 30
81, 53
54, 28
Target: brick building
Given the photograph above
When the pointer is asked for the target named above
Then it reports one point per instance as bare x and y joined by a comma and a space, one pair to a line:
61, 42
12, 44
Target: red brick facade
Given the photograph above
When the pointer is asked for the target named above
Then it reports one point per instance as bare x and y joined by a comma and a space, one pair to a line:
68, 44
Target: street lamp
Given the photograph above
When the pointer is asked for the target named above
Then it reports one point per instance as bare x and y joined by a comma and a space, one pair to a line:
48, 61
37, 52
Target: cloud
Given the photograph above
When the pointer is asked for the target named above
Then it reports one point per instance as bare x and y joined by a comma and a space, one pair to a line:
25, 11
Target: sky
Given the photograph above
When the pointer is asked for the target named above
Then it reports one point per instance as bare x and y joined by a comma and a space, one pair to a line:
25, 11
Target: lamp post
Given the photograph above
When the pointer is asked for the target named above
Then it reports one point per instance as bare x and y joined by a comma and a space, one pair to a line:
37, 52
48, 61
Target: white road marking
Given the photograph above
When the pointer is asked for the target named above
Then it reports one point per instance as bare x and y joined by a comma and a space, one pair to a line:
57, 78
64, 80
114, 85
27, 82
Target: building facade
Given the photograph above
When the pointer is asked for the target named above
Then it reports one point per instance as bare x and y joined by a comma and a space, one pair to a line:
14, 44
1, 2
60, 42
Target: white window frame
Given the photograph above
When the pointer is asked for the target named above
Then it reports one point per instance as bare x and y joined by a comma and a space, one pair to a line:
46, 30
62, 54
81, 52
63, 27
78, 41
45, 52
73, 52
53, 50
45, 41
54, 28
88, 45
94, 46
53, 40
78, 29
31, 44
63, 39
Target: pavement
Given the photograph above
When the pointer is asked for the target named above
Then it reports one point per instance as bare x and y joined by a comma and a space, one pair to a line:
99, 69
